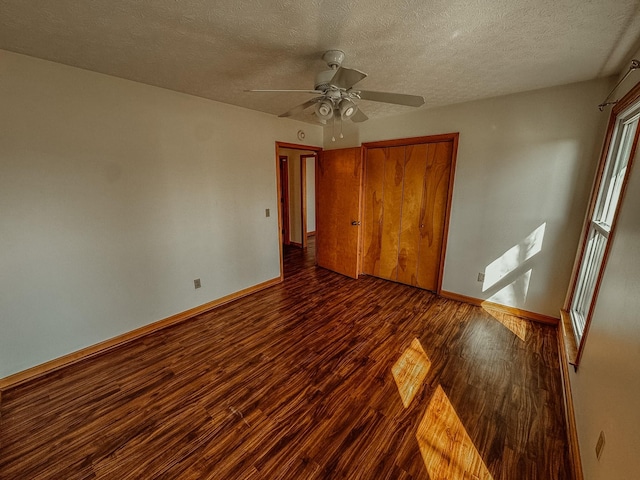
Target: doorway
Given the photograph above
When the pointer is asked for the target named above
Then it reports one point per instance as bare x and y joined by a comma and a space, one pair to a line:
297, 198
308, 196
296, 166
284, 199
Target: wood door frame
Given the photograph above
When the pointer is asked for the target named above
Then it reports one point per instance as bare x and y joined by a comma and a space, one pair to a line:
295, 146
399, 142
285, 238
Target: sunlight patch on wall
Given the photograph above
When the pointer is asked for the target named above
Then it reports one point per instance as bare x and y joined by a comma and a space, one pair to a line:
445, 445
513, 258
515, 293
410, 371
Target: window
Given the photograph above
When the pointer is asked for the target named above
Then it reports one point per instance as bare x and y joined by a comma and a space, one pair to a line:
609, 187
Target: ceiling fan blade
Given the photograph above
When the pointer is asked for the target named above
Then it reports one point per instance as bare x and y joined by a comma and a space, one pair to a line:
359, 116
288, 91
300, 108
347, 77
397, 98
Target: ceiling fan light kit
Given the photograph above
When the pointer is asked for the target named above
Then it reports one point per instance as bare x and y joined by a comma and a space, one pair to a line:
324, 109
336, 95
347, 108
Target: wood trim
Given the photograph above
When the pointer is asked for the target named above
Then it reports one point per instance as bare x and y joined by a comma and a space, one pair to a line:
623, 104
447, 214
607, 250
569, 412
536, 317
279, 208
296, 146
628, 100
315, 260
592, 203
359, 248
89, 352
568, 349
311, 234
303, 200
569, 338
398, 142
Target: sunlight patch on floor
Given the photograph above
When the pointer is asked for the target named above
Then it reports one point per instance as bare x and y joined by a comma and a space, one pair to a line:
410, 371
518, 326
445, 446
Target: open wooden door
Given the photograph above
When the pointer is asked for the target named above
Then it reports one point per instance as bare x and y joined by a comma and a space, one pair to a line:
338, 205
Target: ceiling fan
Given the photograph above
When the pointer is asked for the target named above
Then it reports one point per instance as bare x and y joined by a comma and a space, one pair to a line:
336, 96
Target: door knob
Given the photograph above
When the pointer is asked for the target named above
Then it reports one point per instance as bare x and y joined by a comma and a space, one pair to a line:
355, 223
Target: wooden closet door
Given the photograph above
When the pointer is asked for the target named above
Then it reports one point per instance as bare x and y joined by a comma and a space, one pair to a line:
383, 200
433, 213
415, 165
338, 194
406, 196
373, 211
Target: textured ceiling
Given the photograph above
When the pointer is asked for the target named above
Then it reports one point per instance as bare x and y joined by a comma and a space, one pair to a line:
449, 51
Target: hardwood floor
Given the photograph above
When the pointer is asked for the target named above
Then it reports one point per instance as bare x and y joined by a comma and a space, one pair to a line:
322, 377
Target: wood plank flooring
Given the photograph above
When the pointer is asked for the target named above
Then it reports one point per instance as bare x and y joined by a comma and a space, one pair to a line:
304, 380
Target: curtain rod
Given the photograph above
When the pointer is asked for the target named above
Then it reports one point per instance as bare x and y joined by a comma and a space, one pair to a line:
635, 64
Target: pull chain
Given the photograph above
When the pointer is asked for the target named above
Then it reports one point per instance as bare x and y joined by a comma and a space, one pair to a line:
333, 129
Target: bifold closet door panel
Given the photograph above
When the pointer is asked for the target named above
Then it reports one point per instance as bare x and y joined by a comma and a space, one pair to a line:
433, 213
381, 248
415, 164
391, 215
373, 211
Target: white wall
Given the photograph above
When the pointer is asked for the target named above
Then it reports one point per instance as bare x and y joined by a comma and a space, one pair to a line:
295, 197
606, 386
311, 194
294, 161
524, 172
115, 196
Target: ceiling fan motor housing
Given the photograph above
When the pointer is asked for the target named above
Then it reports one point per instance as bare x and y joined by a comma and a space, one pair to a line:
334, 58
323, 80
